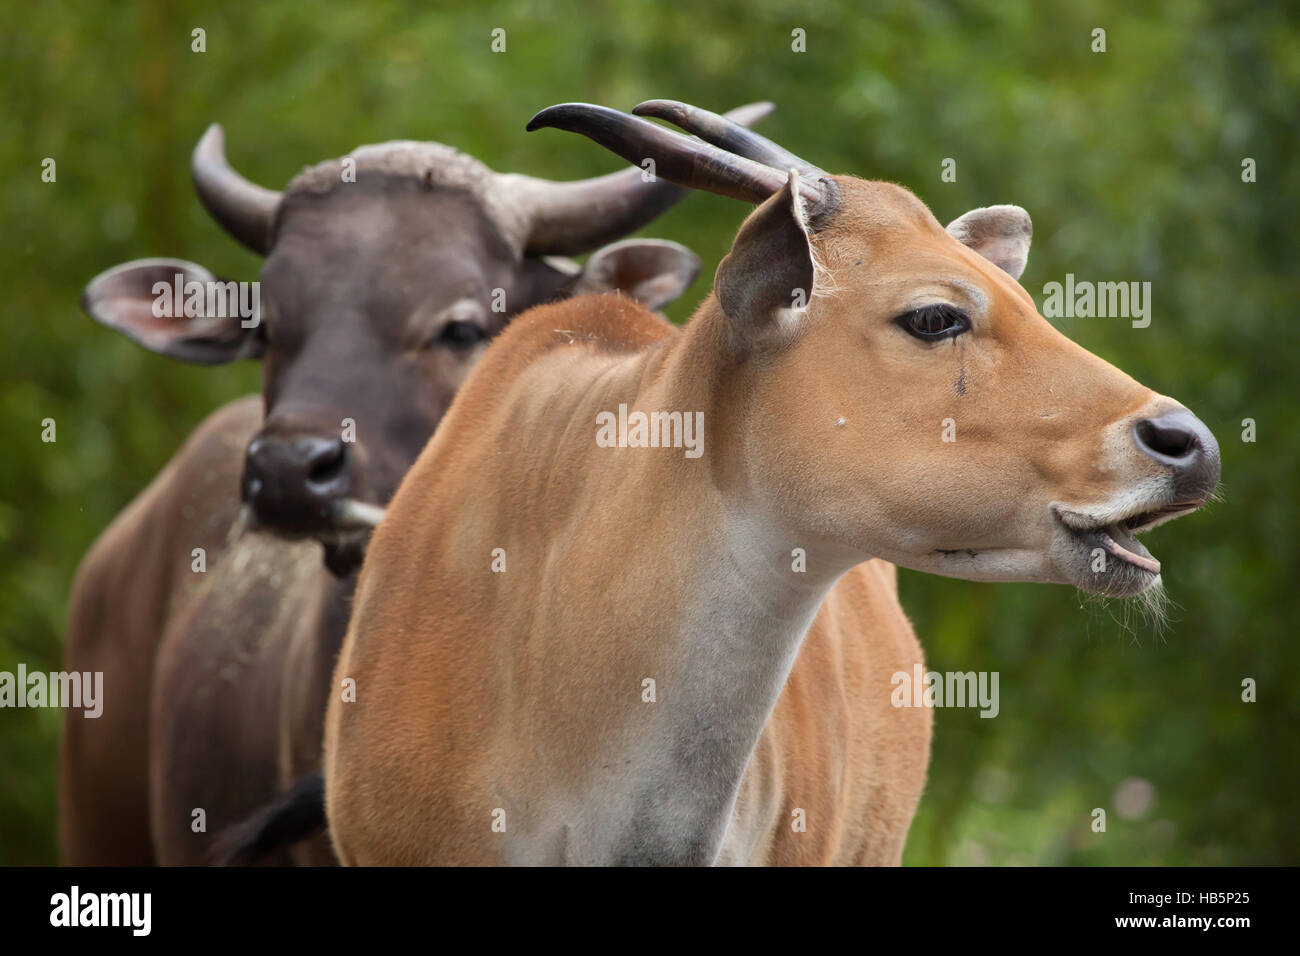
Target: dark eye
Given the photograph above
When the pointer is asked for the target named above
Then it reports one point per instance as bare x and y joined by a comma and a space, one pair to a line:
933, 322
460, 335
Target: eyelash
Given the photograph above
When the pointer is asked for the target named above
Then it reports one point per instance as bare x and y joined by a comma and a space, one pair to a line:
936, 322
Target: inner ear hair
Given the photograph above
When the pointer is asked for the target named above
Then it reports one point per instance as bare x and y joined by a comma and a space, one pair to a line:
769, 278
1000, 234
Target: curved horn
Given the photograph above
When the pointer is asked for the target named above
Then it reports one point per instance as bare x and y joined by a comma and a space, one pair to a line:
679, 159
726, 134
243, 209
569, 218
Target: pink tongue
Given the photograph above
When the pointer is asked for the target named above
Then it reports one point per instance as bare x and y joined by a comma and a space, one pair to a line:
1148, 564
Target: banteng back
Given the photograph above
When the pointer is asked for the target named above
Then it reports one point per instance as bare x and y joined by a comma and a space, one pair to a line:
615, 654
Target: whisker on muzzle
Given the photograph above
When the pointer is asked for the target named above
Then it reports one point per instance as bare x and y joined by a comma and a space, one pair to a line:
1149, 610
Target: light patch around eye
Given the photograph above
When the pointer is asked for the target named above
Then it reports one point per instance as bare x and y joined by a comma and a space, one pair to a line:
930, 302
952, 293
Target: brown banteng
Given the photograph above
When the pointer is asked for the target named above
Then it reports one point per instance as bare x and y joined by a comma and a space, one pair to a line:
386, 273
503, 652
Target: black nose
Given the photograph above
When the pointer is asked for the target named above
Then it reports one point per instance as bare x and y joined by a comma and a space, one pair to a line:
294, 480
1180, 440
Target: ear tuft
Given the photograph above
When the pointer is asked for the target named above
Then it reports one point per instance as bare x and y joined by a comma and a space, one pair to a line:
1001, 234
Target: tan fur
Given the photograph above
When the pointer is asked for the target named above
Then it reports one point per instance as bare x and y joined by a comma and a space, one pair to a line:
520, 691
838, 677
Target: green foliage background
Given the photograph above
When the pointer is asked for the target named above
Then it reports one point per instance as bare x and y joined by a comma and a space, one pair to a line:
1129, 161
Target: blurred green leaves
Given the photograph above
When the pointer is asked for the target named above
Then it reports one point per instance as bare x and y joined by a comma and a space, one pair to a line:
1129, 162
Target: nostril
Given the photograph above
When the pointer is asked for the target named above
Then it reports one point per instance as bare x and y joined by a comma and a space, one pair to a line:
1167, 439
294, 480
328, 462
1180, 441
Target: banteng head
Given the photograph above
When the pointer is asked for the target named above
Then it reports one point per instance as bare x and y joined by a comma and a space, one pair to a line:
386, 274
888, 388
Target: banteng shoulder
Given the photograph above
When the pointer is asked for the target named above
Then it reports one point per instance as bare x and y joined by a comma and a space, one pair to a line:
605, 323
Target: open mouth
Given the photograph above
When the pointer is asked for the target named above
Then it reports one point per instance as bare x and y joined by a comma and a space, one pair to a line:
1127, 548
1117, 537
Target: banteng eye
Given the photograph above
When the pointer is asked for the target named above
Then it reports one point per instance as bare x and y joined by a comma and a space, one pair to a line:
460, 335
933, 322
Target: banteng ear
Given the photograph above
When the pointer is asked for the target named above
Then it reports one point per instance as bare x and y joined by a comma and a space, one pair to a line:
176, 308
652, 271
1000, 234
766, 282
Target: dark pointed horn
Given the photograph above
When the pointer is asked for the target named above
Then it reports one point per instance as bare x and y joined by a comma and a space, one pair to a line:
725, 134
677, 158
243, 209
570, 218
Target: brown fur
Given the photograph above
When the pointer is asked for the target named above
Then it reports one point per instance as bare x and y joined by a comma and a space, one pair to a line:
216, 682
104, 763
